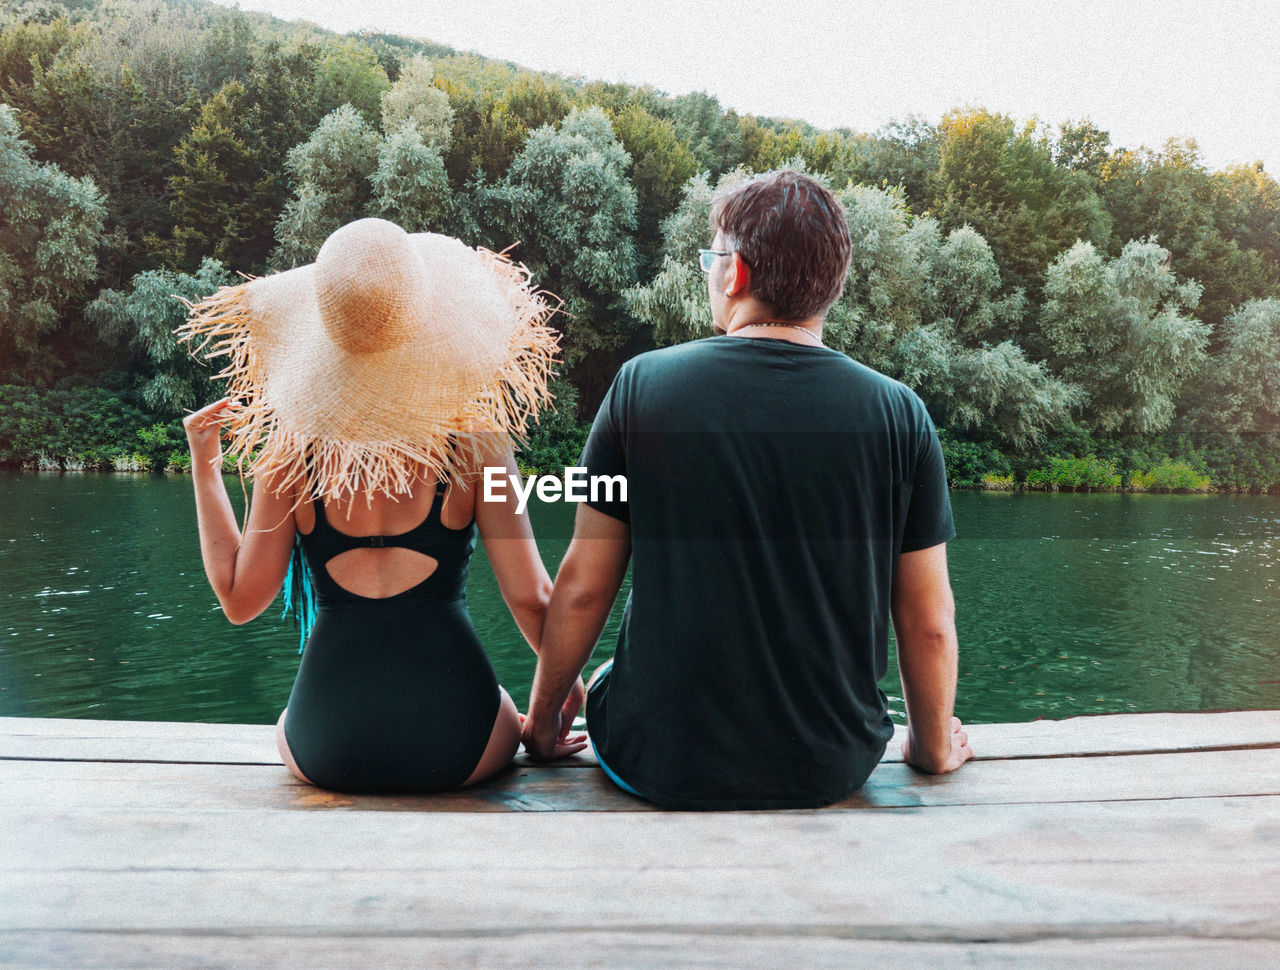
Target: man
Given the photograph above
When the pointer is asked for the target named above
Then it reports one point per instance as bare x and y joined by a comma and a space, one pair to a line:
783, 501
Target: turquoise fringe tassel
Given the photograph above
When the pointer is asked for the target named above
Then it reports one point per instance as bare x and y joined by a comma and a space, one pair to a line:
299, 595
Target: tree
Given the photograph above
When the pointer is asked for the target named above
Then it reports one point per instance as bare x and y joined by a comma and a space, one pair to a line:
27, 47
1170, 196
348, 73
330, 173
567, 199
229, 187
1082, 147
712, 134
50, 228
410, 186
227, 46
1241, 391
114, 103
1122, 330
213, 198
988, 389
837, 154
769, 144
414, 98
904, 154
885, 295
492, 120
146, 316
673, 305
1255, 215
1003, 182
926, 311
280, 111
660, 165
766, 147
965, 287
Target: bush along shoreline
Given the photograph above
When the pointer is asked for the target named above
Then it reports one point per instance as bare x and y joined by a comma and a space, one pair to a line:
1187, 463
94, 429
98, 430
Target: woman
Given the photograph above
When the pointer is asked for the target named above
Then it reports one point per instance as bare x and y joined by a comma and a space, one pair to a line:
368, 391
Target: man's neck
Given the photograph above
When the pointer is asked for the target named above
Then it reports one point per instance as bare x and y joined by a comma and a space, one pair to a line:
795, 331
751, 319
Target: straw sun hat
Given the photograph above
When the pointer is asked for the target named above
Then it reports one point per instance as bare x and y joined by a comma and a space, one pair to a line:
391, 354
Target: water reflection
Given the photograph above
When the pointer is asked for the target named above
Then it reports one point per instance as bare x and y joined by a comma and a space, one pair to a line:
1067, 604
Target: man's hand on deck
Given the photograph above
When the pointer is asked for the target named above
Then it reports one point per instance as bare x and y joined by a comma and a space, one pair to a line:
939, 763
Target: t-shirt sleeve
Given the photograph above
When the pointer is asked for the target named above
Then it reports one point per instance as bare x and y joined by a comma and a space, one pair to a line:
929, 520
605, 458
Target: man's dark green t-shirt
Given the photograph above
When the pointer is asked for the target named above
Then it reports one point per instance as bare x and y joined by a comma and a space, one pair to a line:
770, 488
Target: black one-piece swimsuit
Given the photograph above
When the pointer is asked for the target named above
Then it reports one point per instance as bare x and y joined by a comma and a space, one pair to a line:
393, 694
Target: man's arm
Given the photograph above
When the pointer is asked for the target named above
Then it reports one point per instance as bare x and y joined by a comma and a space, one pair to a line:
585, 588
924, 624
512, 550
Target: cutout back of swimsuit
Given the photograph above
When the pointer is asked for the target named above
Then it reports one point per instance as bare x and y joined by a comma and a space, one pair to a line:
404, 561
376, 574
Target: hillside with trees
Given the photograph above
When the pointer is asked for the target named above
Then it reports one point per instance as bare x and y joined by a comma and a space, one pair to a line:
1051, 295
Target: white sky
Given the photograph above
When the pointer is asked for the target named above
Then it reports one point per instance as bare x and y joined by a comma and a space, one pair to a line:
1144, 70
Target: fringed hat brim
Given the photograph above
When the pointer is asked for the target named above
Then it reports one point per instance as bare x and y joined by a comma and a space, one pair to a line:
308, 417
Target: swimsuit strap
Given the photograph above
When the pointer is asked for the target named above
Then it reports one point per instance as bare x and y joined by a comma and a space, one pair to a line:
436, 507
411, 539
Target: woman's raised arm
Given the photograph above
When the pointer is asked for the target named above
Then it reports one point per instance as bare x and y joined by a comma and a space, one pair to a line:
245, 571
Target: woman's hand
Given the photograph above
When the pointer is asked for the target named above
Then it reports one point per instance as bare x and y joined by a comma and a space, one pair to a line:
572, 704
204, 430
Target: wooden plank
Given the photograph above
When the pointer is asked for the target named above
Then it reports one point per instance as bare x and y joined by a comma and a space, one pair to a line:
177, 742
77, 739
1037, 855
74, 739
95, 729
86, 786
73, 786
1105, 734
1168, 870
594, 949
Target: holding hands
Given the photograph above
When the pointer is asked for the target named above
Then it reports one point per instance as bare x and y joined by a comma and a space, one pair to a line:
550, 740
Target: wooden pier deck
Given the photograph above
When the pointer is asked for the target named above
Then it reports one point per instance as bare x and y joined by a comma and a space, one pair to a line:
1124, 840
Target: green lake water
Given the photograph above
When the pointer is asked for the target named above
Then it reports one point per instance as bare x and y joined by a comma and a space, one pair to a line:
1066, 604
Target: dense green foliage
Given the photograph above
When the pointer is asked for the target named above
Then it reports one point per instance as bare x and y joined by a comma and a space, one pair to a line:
1078, 474
1064, 306
83, 428
1170, 476
169, 378
556, 441
50, 225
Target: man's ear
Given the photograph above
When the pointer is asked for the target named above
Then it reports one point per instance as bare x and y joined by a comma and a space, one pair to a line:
737, 281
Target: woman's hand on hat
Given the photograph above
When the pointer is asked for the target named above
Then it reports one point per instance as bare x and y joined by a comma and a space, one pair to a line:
204, 430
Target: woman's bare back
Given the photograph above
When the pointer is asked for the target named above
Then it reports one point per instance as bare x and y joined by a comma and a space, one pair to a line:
380, 573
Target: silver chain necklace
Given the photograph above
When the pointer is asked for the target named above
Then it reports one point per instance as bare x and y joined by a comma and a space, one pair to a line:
793, 326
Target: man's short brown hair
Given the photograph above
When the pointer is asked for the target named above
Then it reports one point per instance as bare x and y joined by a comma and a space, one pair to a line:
792, 233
